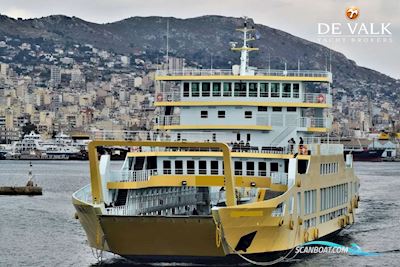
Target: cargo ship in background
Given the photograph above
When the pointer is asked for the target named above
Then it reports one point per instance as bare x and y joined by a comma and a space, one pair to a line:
232, 168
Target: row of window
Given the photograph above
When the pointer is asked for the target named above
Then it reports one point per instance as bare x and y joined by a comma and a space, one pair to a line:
214, 167
310, 201
332, 215
329, 168
241, 89
333, 196
247, 114
312, 222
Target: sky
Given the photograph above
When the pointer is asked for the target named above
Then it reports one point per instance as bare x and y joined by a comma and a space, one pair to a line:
299, 18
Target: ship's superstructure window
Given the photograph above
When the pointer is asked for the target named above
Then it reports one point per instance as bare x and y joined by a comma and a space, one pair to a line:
286, 90
275, 90
291, 109
204, 114
329, 168
274, 167
216, 89
195, 89
205, 89
186, 89
202, 167
178, 167
262, 168
227, 89
238, 137
252, 89
291, 204
248, 114
240, 89
214, 166
249, 168
167, 167
248, 137
190, 167
276, 109
333, 196
221, 113
263, 109
264, 90
238, 168
296, 90
299, 212
310, 201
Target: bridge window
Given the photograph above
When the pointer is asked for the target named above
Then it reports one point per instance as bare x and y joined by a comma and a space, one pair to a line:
275, 91
252, 89
240, 89
296, 90
216, 89
249, 168
263, 89
262, 169
286, 90
276, 109
204, 114
202, 167
274, 167
195, 90
167, 167
238, 168
178, 167
227, 89
263, 109
186, 90
205, 89
291, 109
248, 114
190, 167
221, 113
214, 166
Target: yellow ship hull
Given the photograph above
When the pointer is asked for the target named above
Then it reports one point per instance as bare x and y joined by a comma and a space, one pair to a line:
233, 229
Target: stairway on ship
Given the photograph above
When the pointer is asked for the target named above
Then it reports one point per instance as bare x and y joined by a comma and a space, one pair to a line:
121, 197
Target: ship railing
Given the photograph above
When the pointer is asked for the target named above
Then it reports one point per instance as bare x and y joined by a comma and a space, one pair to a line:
172, 96
313, 122
84, 194
281, 120
156, 201
326, 149
132, 175
168, 120
279, 178
257, 72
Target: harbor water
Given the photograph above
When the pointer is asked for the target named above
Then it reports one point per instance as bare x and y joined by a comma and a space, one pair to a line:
42, 231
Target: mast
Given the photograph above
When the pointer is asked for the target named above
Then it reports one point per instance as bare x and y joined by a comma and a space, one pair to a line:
245, 49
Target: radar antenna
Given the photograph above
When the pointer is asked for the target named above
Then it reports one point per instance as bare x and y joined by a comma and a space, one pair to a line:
245, 49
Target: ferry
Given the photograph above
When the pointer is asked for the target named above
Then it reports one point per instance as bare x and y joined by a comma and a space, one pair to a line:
232, 168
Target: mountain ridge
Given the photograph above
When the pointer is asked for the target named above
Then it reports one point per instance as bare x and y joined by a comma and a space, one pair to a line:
196, 39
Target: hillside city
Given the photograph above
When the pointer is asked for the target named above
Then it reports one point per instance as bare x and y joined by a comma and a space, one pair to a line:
78, 88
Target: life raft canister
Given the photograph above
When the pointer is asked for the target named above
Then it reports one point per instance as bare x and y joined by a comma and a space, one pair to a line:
321, 98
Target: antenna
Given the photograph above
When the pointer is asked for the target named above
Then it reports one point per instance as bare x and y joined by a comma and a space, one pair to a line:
298, 65
245, 49
330, 60
168, 43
